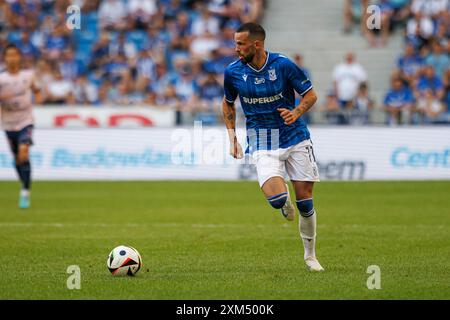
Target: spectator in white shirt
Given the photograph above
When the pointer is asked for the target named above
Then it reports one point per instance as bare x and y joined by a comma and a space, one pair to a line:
142, 9
205, 22
85, 92
420, 24
429, 8
202, 46
59, 90
347, 78
112, 14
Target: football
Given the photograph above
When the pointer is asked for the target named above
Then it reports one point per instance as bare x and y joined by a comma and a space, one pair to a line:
124, 260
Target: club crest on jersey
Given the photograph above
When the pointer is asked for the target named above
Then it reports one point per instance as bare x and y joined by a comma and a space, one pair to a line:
260, 80
244, 76
272, 75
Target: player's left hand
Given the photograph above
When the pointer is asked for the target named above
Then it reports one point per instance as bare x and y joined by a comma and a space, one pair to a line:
289, 116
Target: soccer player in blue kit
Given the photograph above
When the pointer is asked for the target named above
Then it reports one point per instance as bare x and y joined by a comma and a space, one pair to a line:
278, 139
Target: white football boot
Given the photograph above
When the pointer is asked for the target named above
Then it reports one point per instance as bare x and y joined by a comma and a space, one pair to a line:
313, 264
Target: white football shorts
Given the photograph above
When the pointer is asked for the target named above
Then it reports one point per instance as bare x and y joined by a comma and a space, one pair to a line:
297, 162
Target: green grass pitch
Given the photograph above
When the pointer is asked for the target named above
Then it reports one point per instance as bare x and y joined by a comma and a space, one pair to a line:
221, 240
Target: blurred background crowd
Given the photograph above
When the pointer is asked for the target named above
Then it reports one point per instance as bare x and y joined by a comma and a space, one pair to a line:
420, 82
172, 54
166, 53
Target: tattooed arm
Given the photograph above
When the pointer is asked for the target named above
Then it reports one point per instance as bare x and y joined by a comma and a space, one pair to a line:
229, 117
290, 116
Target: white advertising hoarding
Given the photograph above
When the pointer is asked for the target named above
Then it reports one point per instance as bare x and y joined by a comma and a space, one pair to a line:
380, 153
202, 154
113, 154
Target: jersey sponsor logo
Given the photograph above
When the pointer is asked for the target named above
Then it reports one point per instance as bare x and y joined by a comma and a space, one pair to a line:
262, 99
272, 75
260, 80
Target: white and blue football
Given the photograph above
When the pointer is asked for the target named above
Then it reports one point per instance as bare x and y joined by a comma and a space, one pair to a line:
124, 260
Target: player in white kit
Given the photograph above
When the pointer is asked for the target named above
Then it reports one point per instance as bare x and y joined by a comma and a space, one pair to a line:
16, 88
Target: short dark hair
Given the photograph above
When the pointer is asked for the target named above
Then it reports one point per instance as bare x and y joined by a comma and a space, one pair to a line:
254, 30
11, 46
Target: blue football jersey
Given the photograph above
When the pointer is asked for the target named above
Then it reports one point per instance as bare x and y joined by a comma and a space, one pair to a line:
261, 93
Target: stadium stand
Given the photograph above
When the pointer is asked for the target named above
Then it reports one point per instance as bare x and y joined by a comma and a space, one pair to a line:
316, 34
422, 70
167, 53
172, 53
419, 86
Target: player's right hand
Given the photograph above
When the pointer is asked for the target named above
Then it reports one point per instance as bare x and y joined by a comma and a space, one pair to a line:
236, 150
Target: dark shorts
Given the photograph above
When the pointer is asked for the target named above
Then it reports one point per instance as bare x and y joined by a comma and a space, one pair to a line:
344, 104
16, 138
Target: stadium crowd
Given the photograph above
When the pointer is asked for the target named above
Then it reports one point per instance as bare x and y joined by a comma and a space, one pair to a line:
172, 53
167, 53
420, 84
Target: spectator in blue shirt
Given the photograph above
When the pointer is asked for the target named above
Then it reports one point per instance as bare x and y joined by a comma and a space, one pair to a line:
185, 84
25, 14
387, 13
429, 80
27, 48
210, 88
209, 96
400, 11
438, 59
56, 42
145, 69
117, 68
216, 63
184, 28
162, 78
398, 102
410, 64
100, 51
171, 8
227, 45
70, 68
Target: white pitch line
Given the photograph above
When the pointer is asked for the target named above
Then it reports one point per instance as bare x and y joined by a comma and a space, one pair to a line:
195, 225
128, 225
